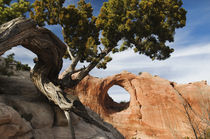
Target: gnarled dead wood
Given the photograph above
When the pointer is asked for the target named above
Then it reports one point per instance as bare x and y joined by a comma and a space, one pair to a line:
50, 51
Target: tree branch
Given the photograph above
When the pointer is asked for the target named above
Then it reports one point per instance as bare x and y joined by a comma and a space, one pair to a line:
66, 79
69, 118
70, 53
93, 64
71, 68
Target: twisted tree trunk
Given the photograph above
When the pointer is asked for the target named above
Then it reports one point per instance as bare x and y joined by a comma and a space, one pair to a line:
49, 50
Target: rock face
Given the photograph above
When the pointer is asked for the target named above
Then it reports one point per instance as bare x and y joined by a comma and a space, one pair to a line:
158, 108
26, 114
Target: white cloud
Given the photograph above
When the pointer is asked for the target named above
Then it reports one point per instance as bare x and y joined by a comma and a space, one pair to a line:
118, 94
120, 97
22, 54
198, 49
185, 65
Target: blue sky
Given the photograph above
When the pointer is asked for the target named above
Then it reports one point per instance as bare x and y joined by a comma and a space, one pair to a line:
189, 62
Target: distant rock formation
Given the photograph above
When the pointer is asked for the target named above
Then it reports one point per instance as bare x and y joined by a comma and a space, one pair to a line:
158, 108
26, 114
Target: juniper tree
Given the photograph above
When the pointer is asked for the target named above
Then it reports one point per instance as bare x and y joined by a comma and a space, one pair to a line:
145, 26
10, 9
142, 25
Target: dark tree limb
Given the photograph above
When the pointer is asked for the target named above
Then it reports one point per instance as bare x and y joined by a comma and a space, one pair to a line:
83, 72
66, 75
93, 64
70, 53
69, 118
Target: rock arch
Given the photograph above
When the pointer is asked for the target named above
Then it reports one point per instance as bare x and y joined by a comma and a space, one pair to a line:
158, 108
95, 95
113, 104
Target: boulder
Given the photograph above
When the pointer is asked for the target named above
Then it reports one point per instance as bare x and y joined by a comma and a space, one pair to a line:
11, 123
26, 114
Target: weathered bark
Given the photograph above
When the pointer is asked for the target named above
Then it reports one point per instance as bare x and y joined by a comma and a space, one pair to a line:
49, 50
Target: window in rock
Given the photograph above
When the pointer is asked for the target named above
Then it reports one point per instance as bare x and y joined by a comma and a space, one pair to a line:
117, 99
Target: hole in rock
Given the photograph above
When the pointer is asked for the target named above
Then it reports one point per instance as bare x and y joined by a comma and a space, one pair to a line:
117, 99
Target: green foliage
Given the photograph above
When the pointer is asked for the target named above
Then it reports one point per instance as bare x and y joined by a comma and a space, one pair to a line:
22, 67
10, 9
9, 62
9, 59
78, 25
5, 70
206, 134
144, 25
18, 65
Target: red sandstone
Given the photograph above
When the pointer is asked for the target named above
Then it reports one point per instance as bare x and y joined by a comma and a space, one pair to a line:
158, 108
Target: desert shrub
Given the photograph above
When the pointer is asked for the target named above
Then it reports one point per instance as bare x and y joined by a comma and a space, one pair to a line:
206, 135
23, 67
8, 69
9, 59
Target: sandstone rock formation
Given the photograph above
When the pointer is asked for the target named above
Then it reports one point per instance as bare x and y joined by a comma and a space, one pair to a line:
25, 114
158, 108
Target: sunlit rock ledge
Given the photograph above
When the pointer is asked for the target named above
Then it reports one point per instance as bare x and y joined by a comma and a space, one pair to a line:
157, 108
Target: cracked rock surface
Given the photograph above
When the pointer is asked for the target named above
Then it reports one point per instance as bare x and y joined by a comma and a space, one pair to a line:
157, 108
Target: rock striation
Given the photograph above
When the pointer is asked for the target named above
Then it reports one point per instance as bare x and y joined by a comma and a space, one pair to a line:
157, 108
26, 114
